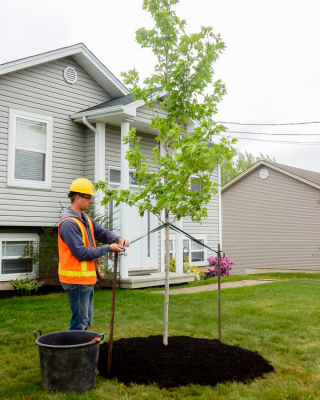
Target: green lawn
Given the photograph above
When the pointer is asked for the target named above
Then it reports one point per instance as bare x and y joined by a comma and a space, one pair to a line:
280, 320
234, 278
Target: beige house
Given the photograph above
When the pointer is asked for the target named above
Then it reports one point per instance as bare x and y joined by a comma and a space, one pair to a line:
271, 219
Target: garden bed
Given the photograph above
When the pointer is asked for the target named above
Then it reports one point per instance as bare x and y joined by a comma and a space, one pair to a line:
186, 360
42, 290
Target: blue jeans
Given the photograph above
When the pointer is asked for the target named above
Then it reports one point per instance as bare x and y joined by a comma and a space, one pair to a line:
81, 304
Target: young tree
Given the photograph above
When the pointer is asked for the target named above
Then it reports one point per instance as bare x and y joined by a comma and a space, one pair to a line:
239, 164
182, 87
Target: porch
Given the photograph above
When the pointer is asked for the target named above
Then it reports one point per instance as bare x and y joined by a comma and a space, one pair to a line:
144, 279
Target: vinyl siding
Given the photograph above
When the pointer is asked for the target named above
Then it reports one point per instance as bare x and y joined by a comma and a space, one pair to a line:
271, 223
43, 90
113, 152
210, 225
144, 113
89, 154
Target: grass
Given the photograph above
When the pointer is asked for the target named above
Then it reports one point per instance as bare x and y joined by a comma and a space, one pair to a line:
280, 320
234, 278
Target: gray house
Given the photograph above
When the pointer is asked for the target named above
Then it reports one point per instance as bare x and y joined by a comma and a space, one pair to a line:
62, 116
271, 219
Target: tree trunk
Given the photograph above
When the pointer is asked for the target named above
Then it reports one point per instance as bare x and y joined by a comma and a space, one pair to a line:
166, 296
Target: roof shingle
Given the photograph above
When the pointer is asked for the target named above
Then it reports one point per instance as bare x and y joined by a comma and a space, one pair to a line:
311, 176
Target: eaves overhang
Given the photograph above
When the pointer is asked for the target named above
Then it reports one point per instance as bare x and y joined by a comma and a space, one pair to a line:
265, 163
129, 110
83, 56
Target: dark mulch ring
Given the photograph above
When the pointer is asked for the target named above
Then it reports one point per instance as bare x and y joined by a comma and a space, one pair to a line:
186, 360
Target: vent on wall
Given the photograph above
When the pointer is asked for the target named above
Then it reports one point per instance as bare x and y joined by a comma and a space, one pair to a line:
264, 174
70, 75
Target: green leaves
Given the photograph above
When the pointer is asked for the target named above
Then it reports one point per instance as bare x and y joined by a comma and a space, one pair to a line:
242, 162
183, 77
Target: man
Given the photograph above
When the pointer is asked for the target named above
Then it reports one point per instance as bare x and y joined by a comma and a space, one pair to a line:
78, 254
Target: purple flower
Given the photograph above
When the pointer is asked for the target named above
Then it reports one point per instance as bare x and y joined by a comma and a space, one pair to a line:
225, 266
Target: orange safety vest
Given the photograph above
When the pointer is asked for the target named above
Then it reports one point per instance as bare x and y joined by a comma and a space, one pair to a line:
71, 270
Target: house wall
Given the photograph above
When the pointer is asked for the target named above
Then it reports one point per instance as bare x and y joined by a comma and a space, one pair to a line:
144, 113
210, 225
43, 90
113, 151
271, 223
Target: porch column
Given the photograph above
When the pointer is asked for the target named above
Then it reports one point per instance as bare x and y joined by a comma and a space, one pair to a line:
179, 247
124, 209
100, 162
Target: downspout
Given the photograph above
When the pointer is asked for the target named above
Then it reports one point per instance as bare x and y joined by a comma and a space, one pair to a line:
84, 120
96, 153
96, 147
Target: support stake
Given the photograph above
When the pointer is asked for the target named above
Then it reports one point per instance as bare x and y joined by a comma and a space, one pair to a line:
219, 291
112, 312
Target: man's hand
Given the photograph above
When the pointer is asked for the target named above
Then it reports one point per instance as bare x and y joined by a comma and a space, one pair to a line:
123, 242
116, 248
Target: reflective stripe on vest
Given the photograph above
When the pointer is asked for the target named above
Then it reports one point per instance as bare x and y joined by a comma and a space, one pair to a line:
94, 242
84, 265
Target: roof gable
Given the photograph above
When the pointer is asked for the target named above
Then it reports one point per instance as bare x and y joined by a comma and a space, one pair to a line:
309, 177
83, 57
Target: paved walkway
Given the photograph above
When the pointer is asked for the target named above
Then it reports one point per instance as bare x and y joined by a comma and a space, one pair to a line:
214, 286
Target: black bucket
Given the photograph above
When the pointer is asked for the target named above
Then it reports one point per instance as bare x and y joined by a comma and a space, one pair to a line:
69, 360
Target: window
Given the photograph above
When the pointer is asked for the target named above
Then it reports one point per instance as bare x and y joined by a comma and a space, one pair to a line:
29, 150
194, 252
195, 184
12, 247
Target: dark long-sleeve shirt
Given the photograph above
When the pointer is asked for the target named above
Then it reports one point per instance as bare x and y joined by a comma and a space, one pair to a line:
71, 234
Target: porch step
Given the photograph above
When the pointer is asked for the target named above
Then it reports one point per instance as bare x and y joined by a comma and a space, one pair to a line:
143, 271
152, 280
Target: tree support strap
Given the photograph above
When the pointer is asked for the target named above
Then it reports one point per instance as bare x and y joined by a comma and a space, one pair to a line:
176, 229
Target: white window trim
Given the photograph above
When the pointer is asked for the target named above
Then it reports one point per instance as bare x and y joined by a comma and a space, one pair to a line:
25, 183
194, 177
16, 237
197, 236
118, 184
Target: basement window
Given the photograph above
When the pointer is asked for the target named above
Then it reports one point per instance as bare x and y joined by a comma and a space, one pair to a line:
12, 248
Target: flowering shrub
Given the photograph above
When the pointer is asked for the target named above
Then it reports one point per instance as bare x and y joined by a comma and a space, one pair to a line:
199, 274
225, 266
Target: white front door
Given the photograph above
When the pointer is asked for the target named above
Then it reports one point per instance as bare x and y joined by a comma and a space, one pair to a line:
136, 229
144, 252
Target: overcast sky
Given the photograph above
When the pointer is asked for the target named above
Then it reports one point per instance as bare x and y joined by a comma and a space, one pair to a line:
271, 66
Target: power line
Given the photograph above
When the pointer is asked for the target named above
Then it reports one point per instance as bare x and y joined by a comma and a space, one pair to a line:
280, 134
287, 123
275, 141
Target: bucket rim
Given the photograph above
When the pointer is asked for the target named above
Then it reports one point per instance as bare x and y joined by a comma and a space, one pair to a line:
51, 346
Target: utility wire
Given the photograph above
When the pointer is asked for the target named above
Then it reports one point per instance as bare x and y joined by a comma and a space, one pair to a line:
274, 141
287, 123
280, 134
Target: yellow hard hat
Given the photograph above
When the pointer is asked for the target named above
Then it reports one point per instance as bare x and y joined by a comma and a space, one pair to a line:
82, 185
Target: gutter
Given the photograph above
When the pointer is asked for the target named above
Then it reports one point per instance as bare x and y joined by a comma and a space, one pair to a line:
84, 120
96, 113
